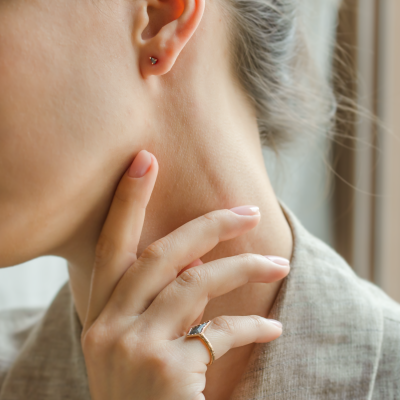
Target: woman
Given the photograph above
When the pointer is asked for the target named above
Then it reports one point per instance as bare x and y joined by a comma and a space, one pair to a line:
184, 88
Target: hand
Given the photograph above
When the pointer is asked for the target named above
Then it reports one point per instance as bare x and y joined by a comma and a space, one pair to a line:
139, 311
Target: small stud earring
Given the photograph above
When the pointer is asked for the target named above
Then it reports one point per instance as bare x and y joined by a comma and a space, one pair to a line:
153, 60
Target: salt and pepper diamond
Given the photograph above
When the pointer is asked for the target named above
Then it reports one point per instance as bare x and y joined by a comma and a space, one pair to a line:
153, 60
195, 330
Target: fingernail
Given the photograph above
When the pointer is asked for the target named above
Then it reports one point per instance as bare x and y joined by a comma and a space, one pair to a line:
275, 322
246, 210
279, 260
140, 165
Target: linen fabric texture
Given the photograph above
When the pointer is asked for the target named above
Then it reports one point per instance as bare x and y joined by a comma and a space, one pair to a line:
341, 339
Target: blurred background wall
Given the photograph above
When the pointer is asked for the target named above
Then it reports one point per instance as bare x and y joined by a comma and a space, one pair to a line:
366, 155
357, 213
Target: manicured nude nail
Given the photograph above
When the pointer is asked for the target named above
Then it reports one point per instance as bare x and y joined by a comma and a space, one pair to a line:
279, 260
140, 165
246, 210
275, 322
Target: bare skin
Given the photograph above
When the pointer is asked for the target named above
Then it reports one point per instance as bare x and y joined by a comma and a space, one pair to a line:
140, 308
77, 105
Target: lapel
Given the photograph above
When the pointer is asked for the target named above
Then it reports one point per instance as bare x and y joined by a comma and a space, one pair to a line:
332, 331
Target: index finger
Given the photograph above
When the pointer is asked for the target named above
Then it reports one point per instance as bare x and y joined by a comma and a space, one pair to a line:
118, 242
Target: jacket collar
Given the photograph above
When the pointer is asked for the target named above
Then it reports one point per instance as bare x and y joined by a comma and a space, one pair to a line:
332, 330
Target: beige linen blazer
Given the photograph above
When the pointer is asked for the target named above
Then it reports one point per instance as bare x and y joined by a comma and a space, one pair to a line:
341, 339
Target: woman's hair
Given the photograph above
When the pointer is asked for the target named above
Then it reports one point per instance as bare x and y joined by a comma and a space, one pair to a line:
274, 66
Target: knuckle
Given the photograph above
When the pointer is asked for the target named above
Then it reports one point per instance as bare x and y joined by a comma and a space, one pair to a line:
124, 345
192, 277
95, 339
210, 218
216, 217
156, 250
247, 258
218, 222
159, 364
225, 324
257, 321
251, 264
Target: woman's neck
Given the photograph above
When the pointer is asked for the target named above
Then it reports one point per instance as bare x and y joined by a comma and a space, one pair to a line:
213, 164
210, 158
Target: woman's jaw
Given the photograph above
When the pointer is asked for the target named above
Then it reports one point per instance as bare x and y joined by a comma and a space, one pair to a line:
75, 109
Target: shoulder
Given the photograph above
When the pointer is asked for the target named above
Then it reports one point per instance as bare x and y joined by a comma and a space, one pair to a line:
373, 316
328, 275
347, 324
338, 281
15, 327
387, 377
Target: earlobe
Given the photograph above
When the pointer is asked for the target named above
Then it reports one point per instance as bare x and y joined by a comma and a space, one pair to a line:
153, 60
162, 31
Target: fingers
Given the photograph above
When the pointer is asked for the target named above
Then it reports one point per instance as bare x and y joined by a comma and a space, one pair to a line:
160, 263
195, 263
119, 238
175, 308
226, 332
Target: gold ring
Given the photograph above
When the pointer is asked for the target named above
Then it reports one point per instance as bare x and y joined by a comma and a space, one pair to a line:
198, 331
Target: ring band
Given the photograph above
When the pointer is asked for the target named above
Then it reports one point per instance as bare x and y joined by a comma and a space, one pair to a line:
198, 331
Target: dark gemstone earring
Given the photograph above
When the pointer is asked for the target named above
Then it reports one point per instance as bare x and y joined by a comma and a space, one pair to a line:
153, 60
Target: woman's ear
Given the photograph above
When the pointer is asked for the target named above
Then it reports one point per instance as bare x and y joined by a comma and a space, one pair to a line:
162, 29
